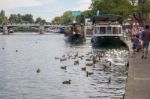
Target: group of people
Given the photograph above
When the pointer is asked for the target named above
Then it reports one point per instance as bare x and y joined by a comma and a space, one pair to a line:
140, 41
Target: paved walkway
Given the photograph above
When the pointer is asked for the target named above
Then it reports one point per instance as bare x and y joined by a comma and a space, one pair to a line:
138, 84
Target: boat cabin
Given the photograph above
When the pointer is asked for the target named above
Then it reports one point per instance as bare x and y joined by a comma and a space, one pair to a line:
107, 25
107, 29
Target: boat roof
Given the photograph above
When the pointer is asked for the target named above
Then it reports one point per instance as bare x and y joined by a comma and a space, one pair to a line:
108, 17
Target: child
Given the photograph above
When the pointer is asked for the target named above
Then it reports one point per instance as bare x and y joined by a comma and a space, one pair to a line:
136, 45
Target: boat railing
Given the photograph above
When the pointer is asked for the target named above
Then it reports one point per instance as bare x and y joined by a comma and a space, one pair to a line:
111, 30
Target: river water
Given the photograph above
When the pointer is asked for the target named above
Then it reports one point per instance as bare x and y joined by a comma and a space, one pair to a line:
21, 54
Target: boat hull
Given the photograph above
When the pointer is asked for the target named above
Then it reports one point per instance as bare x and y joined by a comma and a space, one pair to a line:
75, 39
108, 41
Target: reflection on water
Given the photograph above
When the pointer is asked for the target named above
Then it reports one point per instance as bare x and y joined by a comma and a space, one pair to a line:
94, 73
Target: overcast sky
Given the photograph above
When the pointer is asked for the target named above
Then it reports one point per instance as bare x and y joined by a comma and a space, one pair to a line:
47, 9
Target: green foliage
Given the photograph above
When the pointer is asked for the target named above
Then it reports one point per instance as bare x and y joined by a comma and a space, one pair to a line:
144, 8
119, 7
57, 20
13, 18
66, 18
39, 20
27, 18
3, 18
87, 14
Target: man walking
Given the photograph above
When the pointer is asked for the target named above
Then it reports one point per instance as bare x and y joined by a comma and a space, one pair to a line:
146, 39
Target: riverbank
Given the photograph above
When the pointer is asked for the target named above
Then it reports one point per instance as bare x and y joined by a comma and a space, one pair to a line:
138, 84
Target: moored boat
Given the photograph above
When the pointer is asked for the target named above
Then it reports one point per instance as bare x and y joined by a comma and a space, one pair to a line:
76, 34
107, 31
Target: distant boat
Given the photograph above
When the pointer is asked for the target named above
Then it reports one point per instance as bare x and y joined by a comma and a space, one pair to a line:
107, 31
11, 31
74, 36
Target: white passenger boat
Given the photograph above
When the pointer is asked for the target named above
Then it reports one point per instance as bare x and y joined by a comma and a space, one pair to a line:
107, 31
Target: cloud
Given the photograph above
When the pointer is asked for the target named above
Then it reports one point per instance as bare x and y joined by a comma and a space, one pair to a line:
83, 5
11, 4
47, 9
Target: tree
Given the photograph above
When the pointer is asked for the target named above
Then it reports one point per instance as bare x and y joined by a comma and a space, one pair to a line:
87, 14
57, 20
13, 18
27, 18
144, 8
19, 18
38, 20
2, 16
120, 7
67, 17
5, 21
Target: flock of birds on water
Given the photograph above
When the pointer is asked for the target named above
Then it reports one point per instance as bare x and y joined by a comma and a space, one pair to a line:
91, 60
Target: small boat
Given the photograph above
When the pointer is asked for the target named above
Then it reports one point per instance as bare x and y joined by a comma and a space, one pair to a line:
75, 37
107, 31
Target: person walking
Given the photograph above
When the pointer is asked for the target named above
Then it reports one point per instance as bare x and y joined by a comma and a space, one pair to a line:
145, 39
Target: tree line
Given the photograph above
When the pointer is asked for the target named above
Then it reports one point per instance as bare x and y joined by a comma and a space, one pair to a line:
19, 18
125, 8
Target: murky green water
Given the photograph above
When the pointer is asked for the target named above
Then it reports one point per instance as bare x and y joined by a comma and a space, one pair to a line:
22, 54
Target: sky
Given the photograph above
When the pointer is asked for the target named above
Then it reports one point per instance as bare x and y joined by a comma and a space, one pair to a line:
46, 9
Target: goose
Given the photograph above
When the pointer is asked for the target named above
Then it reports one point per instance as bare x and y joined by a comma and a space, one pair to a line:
67, 82
63, 59
76, 62
89, 64
88, 59
63, 67
38, 70
84, 68
109, 80
57, 58
89, 73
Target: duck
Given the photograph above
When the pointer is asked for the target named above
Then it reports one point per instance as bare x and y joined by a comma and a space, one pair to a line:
63, 67
76, 62
84, 68
63, 59
109, 80
89, 64
38, 70
88, 59
57, 58
67, 82
16, 50
89, 73
3, 48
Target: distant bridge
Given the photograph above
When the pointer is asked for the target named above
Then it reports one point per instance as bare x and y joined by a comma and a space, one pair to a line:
35, 26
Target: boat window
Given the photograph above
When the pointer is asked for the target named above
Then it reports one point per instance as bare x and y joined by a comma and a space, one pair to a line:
109, 30
102, 30
97, 30
116, 30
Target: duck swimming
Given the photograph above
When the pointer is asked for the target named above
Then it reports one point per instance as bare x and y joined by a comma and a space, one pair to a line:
89, 73
63, 67
38, 70
67, 82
